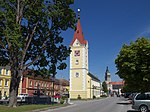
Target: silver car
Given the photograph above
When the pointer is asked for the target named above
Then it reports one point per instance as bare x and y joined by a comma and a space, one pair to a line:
141, 102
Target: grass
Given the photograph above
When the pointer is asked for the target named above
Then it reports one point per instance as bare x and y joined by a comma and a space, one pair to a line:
27, 108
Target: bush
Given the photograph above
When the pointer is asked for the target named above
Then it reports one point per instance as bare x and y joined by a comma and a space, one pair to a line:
61, 101
63, 97
79, 97
94, 97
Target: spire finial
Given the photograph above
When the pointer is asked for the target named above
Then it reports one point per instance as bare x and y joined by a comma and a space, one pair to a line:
79, 13
107, 70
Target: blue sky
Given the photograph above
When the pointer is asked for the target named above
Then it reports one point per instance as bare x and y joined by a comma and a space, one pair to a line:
107, 25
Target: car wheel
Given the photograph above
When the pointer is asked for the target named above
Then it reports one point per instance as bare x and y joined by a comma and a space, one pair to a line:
143, 108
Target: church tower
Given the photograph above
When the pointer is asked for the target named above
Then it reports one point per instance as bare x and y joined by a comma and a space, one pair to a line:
78, 63
107, 75
108, 79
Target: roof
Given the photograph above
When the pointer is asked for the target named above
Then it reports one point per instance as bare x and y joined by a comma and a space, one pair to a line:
93, 77
33, 75
79, 34
64, 82
107, 70
117, 83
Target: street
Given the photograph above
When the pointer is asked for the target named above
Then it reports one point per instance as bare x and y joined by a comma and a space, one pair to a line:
111, 104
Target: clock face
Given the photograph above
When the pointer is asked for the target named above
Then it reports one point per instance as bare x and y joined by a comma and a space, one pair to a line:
77, 53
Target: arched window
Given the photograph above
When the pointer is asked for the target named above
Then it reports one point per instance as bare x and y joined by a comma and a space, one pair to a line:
76, 74
30, 82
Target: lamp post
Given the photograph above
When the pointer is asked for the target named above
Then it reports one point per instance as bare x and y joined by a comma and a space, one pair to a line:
93, 91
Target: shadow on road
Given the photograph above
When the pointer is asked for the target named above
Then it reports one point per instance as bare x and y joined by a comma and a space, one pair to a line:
132, 111
124, 103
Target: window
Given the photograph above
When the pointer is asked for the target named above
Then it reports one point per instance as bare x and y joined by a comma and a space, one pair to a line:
0, 82
42, 84
6, 82
141, 97
148, 96
77, 74
77, 53
0, 71
7, 72
45, 85
77, 62
31, 83
35, 84
5, 93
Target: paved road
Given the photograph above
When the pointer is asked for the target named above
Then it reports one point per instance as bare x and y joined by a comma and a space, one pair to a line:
112, 104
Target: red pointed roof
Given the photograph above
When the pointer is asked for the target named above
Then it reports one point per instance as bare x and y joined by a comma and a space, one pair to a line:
78, 34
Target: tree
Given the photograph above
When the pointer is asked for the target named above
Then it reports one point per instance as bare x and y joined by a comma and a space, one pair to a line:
104, 85
133, 65
30, 37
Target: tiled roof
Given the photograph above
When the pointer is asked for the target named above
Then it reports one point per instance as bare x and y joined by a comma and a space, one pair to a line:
64, 82
117, 83
79, 34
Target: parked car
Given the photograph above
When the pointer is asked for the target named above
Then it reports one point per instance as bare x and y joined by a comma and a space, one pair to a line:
21, 97
127, 94
131, 96
141, 102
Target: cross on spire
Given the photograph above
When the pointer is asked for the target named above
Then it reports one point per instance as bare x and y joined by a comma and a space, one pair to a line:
79, 13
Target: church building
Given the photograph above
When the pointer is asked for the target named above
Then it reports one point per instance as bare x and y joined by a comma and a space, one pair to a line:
113, 87
83, 84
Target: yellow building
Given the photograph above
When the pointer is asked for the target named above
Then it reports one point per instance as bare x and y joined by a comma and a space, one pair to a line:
82, 83
5, 76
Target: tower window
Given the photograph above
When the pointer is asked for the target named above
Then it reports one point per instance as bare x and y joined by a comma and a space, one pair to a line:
77, 74
77, 62
77, 53
77, 43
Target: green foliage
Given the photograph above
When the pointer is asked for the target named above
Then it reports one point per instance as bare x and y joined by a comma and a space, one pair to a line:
94, 96
26, 108
62, 101
133, 65
79, 97
30, 35
104, 85
30, 32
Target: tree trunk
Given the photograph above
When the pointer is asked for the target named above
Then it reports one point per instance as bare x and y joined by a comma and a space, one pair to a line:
13, 90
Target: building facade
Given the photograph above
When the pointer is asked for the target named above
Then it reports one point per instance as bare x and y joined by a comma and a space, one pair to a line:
5, 76
80, 82
30, 84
